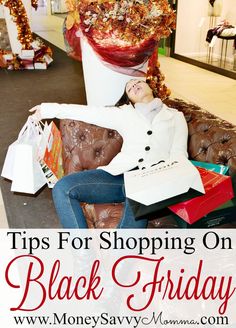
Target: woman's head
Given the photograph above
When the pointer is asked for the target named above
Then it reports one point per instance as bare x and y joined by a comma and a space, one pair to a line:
136, 91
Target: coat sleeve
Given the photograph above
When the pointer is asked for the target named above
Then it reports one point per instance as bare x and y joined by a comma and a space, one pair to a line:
107, 117
180, 140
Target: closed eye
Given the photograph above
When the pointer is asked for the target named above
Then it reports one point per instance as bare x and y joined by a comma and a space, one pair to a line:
134, 85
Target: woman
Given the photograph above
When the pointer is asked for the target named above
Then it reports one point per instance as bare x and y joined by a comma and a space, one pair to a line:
151, 133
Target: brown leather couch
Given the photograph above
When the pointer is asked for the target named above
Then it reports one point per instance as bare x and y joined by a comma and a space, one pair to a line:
86, 146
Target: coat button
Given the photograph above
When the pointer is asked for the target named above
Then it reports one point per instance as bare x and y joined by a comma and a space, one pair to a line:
147, 148
140, 160
149, 132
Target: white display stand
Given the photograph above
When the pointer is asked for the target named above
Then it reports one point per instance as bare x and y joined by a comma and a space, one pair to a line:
103, 86
12, 28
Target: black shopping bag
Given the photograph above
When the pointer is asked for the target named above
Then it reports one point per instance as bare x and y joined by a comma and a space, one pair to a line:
141, 210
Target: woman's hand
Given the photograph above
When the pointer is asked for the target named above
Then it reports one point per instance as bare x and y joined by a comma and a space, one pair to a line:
37, 113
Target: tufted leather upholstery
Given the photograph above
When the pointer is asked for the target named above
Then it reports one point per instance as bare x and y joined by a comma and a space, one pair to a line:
211, 139
86, 146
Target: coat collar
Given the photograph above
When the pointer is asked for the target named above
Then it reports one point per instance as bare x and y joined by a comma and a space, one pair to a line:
164, 114
155, 104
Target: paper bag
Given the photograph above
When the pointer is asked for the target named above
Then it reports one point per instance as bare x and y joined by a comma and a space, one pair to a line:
223, 215
218, 191
222, 169
24, 135
162, 181
141, 210
27, 173
21, 165
7, 170
50, 154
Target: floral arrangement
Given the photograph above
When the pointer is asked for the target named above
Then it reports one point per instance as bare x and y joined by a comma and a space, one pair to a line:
123, 33
127, 21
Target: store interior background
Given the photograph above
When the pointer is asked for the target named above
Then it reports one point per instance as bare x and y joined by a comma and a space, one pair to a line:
214, 92
193, 23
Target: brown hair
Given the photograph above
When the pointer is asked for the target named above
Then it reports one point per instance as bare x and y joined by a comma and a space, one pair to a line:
124, 99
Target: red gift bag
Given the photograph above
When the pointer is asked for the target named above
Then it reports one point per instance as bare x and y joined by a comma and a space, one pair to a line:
218, 190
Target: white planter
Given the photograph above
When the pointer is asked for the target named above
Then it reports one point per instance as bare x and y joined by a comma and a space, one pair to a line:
12, 28
103, 85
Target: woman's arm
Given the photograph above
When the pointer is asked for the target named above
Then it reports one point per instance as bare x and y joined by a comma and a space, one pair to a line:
180, 140
108, 117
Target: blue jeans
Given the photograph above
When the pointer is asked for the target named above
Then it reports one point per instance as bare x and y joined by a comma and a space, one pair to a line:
94, 187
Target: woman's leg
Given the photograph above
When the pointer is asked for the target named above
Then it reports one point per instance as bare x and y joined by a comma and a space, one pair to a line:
128, 220
92, 186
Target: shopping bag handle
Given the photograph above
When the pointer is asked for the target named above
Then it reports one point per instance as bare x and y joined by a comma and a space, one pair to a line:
31, 124
46, 126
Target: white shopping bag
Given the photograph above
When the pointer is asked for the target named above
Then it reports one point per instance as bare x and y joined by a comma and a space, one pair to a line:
21, 165
7, 170
162, 181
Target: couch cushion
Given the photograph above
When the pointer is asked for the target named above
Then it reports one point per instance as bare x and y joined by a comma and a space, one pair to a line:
211, 139
86, 146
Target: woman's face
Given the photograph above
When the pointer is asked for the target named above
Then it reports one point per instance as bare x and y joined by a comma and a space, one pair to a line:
138, 91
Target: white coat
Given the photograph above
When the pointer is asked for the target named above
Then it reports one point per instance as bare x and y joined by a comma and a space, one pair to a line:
144, 143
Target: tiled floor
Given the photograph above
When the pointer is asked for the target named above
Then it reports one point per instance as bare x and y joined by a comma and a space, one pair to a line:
48, 27
211, 91
214, 92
